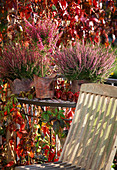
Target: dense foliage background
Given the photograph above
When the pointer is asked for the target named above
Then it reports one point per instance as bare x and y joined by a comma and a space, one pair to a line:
91, 20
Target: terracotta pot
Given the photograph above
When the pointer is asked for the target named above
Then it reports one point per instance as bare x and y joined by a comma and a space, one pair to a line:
44, 87
76, 84
20, 85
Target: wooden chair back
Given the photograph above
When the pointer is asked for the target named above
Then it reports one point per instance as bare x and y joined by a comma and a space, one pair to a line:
92, 139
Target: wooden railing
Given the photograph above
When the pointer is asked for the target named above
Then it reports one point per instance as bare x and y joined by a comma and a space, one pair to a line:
111, 81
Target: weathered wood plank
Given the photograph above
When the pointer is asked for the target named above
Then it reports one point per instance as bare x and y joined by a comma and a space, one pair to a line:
100, 89
89, 130
99, 138
48, 102
53, 166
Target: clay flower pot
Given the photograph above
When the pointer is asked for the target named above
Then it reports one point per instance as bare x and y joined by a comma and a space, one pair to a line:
44, 87
76, 84
18, 85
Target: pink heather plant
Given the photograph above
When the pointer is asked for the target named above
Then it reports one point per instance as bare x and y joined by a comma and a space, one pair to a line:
18, 61
44, 35
93, 63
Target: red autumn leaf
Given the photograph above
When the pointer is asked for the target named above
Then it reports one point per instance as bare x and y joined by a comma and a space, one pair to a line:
11, 142
76, 96
46, 147
70, 114
96, 39
5, 113
64, 96
54, 1
51, 156
44, 129
63, 4
27, 14
14, 105
59, 152
10, 164
58, 93
46, 151
22, 126
13, 109
23, 132
29, 121
21, 14
19, 134
70, 95
55, 160
62, 83
19, 150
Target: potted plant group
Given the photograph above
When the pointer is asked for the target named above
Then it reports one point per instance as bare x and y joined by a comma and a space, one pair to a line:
23, 62
84, 63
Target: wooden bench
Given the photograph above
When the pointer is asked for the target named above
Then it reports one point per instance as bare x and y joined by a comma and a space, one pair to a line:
92, 139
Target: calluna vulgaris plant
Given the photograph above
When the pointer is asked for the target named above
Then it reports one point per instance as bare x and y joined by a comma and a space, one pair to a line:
79, 62
18, 61
44, 33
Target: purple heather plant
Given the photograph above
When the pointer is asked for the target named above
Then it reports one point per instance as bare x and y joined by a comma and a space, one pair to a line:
85, 62
44, 35
18, 61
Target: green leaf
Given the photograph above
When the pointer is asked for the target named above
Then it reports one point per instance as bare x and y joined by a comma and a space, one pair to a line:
62, 115
46, 117
5, 108
15, 100
49, 112
54, 7
59, 117
30, 96
23, 116
1, 131
61, 111
56, 111
37, 144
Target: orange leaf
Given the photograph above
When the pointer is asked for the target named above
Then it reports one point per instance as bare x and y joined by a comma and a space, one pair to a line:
31, 154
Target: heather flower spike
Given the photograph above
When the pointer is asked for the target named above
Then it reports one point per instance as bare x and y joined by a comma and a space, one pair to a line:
79, 62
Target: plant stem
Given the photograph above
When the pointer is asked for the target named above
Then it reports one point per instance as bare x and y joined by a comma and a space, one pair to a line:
42, 67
